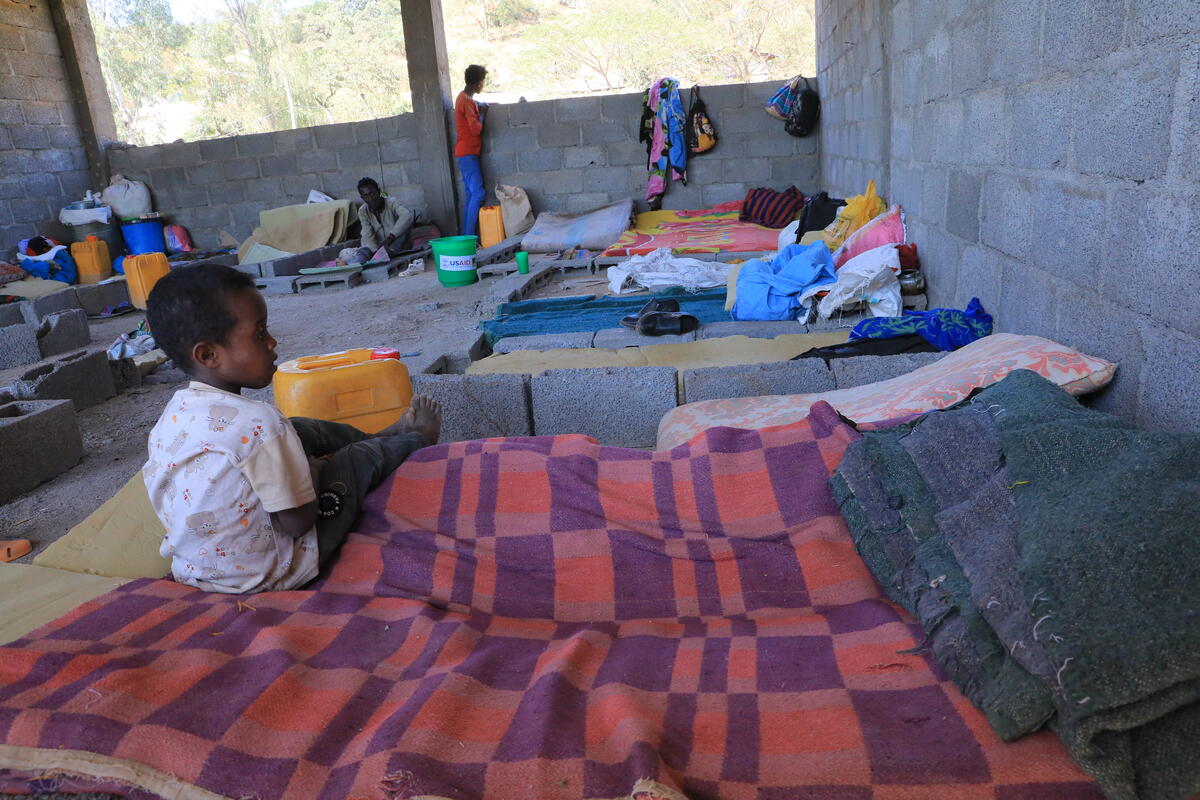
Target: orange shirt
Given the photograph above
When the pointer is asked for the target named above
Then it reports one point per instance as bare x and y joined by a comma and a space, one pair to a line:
469, 126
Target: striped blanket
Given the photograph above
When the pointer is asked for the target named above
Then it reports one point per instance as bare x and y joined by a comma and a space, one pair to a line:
531, 618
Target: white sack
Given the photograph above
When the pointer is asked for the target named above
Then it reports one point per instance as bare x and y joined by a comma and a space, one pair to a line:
127, 198
870, 279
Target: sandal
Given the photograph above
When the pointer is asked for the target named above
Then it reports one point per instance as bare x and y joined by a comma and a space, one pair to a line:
655, 305
12, 549
661, 323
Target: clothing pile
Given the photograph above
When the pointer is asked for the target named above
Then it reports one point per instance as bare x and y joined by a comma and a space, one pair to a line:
854, 256
660, 269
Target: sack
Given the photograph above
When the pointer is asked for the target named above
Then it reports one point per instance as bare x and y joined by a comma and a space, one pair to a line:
887, 228
177, 239
867, 279
858, 211
128, 199
700, 131
819, 210
515, 209
771, 208
780, 104
805, 111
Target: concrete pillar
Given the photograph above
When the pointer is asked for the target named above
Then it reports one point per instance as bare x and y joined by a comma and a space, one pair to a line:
429, 80
93, 110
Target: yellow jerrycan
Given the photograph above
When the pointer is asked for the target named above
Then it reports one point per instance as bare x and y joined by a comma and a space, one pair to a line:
368, 388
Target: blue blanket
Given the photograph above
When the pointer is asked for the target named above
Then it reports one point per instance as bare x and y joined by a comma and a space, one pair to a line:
944, 328
591, 313
771, 290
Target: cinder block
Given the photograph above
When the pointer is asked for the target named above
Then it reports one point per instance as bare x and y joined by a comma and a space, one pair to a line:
41, 440
617, 405
549, 341
479, 406
125, 374
501, 251
288, 266
540, 160
253, 270
18, 345
286, 285
82, 377
1122, 115
962, 206
497, 268
1006, 213
96, 297
36, 310
751, 328
805, 376
616, 338
861, 370
1170, 393
1072, 245
334, 280
577, 109
516, 286
63, 331
10, 314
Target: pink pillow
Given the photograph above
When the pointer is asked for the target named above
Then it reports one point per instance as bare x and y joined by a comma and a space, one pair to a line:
887, 228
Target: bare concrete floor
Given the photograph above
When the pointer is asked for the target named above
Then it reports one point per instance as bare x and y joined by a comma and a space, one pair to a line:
114, 432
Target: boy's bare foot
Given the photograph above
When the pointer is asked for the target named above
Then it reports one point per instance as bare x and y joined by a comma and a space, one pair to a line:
424, 416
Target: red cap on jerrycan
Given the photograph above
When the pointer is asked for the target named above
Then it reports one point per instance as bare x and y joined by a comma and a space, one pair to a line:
384, 352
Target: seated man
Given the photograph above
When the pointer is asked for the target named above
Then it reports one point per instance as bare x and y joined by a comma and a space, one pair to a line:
385, 223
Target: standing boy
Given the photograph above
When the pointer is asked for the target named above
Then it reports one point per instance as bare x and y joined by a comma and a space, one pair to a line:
468, 121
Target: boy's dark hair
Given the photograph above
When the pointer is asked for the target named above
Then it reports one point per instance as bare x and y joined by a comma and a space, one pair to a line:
475, 74
188, 306
367, 183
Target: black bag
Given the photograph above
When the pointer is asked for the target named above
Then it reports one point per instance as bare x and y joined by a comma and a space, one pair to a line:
700, 132
805, 112
819, 210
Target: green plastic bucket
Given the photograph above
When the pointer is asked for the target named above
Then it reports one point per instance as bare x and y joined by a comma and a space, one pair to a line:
455, 259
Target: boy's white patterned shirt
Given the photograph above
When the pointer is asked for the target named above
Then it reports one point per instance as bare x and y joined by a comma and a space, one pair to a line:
219, 465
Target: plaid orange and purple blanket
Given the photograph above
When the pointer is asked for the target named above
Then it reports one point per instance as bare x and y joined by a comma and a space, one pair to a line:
532, 618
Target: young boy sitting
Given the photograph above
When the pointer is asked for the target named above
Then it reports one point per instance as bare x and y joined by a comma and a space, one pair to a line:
247, 505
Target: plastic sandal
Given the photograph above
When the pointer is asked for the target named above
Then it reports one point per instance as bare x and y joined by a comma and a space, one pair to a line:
662, 323
12, 549
655, 305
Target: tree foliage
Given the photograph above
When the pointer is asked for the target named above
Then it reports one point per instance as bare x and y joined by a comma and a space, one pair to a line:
260, 65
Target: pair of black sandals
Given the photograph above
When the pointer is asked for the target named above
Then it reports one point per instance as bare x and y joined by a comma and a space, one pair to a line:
661, 318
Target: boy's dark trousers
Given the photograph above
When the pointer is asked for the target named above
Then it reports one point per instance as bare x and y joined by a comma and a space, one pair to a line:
356, 463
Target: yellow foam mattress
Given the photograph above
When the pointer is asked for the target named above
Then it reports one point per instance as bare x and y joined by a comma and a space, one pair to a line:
31, 596
721, 352
119, 540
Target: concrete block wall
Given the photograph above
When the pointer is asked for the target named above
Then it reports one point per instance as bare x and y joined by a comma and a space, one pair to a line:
576, 153
43, 164
218, 185
570, 154
1045, 156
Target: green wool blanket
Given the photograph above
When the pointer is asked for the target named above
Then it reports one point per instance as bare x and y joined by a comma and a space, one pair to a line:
1052, 555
